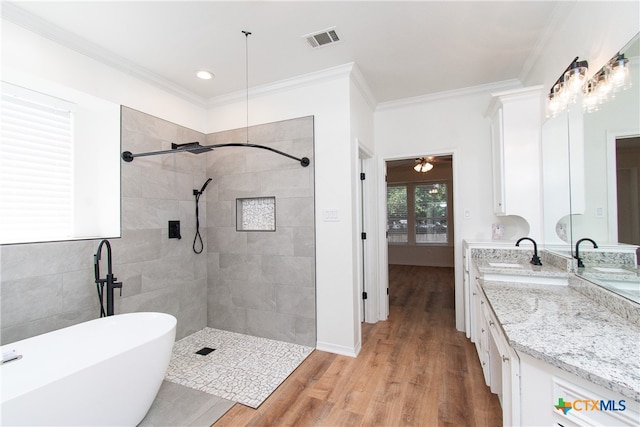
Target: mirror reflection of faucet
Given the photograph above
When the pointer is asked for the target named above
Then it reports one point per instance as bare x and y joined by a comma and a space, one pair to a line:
577, 255
535, 259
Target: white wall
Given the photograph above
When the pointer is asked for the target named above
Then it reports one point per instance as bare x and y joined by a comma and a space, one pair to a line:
449, 123
325, 96
593, 30
55, 63
365, 202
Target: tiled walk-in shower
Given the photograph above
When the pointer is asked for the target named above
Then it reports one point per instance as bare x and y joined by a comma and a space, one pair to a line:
237, 367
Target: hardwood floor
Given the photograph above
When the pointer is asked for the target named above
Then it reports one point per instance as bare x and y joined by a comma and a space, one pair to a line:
414, 369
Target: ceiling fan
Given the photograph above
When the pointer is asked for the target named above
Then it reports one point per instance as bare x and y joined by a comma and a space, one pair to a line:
425, 164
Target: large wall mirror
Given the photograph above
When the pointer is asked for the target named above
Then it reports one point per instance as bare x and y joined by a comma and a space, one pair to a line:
611, 162
591, 172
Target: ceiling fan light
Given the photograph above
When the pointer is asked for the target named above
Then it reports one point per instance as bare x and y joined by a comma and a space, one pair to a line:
423, 165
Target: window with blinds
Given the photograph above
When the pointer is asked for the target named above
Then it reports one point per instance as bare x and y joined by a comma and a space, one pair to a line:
431, 213
36, 167
418, 214
397, 215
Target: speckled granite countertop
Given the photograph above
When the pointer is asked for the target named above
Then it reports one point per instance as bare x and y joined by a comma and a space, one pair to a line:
560, 326
611, 272
522, 269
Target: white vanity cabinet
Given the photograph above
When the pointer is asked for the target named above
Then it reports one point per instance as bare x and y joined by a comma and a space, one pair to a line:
481, 331
543, 385
516, 155
469, 278
500, 363
505, 372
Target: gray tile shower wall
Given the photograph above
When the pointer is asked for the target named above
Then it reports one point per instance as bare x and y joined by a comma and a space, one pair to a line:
260, 282
47, 286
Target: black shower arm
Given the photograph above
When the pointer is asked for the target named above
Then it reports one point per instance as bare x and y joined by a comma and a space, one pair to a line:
127, 156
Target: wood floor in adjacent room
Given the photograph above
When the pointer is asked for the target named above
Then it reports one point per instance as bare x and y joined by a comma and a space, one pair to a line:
414, 369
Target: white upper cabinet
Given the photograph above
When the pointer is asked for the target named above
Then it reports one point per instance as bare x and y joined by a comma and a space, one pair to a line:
516, 154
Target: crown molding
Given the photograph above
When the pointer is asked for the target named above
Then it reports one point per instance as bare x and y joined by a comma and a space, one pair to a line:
456, 93
34, 24
361, 83
559, 16
340, 71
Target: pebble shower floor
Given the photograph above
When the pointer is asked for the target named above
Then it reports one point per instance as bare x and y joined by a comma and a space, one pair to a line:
242, 368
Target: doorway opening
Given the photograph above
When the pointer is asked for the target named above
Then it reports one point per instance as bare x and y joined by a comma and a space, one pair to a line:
628, 189
420, 220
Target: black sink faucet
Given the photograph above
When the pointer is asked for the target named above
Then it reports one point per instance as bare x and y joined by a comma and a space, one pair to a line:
535, 259
577, 256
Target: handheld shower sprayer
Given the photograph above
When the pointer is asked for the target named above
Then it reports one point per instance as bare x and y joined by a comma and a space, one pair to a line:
198, 237
198, 193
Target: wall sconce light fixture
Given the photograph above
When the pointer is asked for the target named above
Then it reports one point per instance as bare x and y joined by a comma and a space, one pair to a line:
601, 87
613, 77
565, 90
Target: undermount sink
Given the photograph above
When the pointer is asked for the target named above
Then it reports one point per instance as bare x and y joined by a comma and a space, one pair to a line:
611, 270
504, 264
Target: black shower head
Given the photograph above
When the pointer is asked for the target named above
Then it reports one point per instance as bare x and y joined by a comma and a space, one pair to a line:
191, 147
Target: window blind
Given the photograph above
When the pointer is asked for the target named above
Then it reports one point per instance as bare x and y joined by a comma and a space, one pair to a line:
431, 213
36, 167
397, 214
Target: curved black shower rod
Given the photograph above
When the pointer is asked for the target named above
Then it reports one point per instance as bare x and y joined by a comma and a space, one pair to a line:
196, 148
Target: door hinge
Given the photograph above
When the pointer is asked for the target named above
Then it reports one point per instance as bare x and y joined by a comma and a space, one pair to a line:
364, 295
363, 236
362, 176
387, 291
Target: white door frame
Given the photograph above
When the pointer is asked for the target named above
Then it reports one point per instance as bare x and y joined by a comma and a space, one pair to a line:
383, 257
612, 193
366, 220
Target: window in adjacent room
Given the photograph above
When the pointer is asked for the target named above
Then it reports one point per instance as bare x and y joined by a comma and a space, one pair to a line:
431, 214
397, 214
418, 213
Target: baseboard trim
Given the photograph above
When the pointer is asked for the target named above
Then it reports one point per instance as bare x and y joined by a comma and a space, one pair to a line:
339, 349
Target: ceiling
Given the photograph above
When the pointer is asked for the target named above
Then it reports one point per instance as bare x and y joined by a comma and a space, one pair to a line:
403, 49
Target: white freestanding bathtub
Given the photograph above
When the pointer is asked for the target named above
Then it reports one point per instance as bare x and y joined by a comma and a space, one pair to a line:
104, 372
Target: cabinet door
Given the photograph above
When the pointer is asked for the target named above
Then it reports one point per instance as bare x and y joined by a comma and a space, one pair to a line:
497, 161
495, 364
483, 348
510, 386
505, 374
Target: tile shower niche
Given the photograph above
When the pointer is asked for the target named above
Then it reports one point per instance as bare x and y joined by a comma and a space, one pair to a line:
256, 214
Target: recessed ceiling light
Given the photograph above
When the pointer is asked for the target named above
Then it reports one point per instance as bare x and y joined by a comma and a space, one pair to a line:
204, 75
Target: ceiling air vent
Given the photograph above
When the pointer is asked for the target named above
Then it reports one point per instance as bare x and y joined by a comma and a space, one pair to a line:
322, 38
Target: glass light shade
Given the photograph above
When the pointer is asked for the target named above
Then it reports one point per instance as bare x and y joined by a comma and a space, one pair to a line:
575, 78
423, 167
557, 100
619, 74
553, 105
603, 86
590, 100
